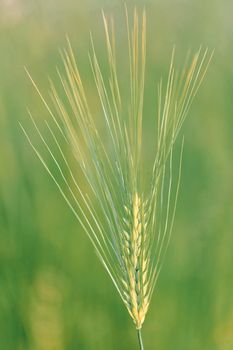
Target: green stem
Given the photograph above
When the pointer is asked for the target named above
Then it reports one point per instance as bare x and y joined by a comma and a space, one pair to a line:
140, 339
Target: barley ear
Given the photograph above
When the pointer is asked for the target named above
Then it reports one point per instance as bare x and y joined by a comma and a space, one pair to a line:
128, 224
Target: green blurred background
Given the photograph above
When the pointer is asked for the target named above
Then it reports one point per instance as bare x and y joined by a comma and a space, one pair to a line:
54, 294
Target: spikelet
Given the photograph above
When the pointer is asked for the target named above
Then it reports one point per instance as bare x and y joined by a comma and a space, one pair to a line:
135, 260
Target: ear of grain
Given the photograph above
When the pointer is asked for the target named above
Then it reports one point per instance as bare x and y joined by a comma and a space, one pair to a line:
130, 228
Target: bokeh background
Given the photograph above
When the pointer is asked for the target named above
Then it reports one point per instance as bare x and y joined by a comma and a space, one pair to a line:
54, 294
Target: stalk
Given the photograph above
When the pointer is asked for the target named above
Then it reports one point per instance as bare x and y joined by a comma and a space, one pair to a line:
140, 339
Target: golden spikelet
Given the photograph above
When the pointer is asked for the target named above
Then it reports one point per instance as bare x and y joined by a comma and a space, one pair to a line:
135, 259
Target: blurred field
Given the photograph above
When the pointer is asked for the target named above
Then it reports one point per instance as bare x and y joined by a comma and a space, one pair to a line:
54, 294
